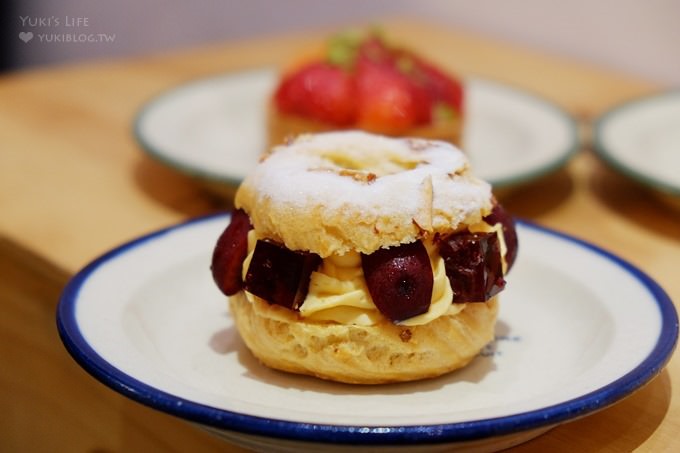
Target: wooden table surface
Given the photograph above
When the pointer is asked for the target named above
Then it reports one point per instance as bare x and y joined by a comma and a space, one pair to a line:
73, 184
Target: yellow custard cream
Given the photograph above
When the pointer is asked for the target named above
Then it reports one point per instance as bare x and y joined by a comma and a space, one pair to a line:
338, 291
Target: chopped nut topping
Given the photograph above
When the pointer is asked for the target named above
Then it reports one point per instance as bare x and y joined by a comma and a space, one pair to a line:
418, 144
357, 175
423, 218
459, 172
361, 176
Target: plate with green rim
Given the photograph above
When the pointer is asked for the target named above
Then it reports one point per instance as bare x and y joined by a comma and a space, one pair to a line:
215, 129
641, 140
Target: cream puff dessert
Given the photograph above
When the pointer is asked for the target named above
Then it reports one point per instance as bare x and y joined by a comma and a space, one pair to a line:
366, 259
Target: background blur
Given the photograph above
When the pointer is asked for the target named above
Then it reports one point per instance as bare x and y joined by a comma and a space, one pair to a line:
638, 37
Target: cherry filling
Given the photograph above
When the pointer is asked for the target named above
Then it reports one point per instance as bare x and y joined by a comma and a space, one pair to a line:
230, 251
473, 265
279, 275
500, 215
399, 279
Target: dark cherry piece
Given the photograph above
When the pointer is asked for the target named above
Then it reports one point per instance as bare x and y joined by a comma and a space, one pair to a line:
473, 265
279, 275
399, 280
498, 214
230, 251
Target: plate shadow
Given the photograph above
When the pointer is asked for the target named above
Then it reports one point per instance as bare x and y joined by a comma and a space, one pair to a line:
533, 199
637, 203
177, 191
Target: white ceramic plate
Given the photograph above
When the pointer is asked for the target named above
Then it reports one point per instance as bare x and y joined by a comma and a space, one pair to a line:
575, 335
215, 129
641, 139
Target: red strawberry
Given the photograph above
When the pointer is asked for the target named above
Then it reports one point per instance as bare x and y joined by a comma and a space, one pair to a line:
388, 101
441, 86
371, 85
376, 51
321, 91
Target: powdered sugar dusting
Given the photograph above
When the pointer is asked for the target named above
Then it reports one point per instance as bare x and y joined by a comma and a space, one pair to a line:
325, 170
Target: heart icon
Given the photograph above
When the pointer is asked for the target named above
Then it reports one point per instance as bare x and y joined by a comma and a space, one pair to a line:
26, 36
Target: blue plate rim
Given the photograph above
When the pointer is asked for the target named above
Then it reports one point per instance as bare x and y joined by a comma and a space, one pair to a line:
136, 390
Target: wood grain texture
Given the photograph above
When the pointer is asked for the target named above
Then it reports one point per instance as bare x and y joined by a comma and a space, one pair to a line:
48, 402
73, 184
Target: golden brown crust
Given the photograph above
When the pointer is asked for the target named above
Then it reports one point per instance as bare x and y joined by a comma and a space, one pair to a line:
376, 354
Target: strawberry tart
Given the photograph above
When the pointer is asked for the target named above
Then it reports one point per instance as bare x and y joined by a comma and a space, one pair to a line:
360, 80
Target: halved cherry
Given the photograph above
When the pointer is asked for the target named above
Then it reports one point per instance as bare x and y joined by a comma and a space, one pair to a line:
473, 265
500, 215
279, 275
399, 280
230, 251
